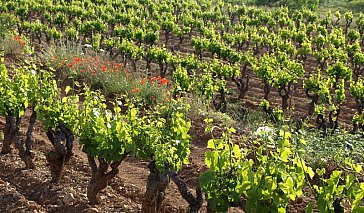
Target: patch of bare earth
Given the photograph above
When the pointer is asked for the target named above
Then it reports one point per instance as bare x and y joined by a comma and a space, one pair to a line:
31, 190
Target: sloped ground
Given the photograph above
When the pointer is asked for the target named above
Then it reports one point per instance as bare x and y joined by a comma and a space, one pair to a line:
31, 191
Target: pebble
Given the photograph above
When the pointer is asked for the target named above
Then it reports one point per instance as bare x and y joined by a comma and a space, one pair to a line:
83, 195
16, 194
68, 199
72, 191
92, 210
34, 207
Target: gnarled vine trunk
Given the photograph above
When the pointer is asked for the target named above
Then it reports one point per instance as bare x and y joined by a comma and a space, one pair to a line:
12, 135
266, 90
242, 86
220, 102
8, 135
100, 176
195, 203
62, 152
284, 93
321, 124
29, 140
15, 130
156, 187
333, 120
314, 100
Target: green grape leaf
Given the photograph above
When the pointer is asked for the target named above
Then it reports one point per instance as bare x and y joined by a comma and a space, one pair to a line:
68, 88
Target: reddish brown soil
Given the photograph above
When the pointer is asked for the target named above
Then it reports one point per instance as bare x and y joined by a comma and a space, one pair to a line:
299, 101
31, 191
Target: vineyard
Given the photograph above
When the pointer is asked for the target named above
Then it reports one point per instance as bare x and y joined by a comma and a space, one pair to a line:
180, 106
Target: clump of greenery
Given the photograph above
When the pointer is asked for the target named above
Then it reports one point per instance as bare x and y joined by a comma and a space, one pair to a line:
14, 46
6, 22
292, 4
335, 148
107, 75
274, 115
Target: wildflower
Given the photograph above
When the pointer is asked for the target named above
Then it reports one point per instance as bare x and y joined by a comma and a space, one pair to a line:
153, 79
54, 58
152, 98
104, 68
69, 65
143, 81
163, 81
76, 60
16, 37
265, 132
159, 78
135, 90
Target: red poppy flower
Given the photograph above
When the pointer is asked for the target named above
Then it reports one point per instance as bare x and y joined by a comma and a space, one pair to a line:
76, 60
143, 81
163, 81
135, 90
16, 37
152, 98
104, 68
